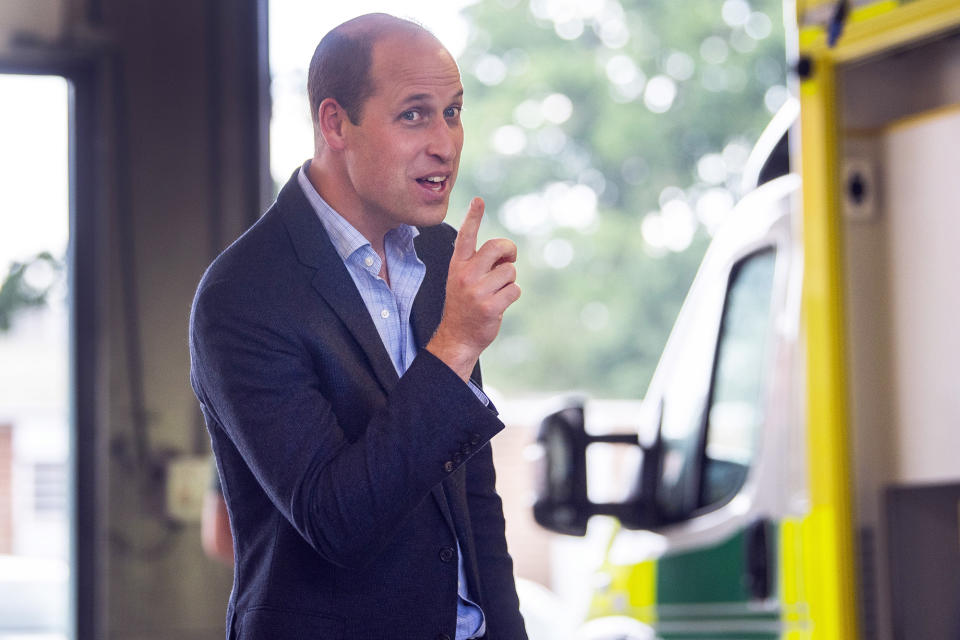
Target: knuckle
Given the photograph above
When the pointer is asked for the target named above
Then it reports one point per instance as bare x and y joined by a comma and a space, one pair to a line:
461, 279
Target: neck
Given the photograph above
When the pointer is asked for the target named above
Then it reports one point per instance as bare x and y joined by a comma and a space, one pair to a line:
333, 185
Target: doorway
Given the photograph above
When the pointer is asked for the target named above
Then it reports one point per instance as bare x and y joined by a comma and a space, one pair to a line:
35, 362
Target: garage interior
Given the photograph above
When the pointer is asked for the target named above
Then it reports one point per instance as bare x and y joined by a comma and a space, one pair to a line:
169, 112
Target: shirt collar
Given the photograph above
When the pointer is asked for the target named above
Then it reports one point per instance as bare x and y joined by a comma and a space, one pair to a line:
402, 237
344, 236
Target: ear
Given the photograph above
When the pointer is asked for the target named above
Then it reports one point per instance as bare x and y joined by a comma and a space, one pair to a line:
333, 120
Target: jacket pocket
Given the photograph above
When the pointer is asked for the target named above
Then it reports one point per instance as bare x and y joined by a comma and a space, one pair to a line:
274, 623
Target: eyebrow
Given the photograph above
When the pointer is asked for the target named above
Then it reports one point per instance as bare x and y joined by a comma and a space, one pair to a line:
421, 97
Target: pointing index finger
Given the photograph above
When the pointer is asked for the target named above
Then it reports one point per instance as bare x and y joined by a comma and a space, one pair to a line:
466, 243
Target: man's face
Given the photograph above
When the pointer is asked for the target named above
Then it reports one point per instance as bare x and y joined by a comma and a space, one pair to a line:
402, 158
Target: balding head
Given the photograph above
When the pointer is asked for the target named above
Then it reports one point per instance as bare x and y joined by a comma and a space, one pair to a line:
341, 63
388, 138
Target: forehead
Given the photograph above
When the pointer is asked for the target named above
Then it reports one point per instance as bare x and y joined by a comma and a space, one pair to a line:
403, 66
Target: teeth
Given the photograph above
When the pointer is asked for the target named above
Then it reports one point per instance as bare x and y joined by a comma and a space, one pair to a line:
434, 179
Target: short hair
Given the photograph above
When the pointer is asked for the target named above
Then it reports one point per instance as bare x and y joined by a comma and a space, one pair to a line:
340, 67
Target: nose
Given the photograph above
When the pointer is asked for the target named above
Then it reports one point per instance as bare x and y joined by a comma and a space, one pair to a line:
445, 140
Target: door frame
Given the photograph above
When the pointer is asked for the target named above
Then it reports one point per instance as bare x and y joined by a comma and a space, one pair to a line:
86, 248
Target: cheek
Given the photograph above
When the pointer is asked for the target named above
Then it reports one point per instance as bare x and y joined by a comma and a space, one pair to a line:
387, 162
378, 165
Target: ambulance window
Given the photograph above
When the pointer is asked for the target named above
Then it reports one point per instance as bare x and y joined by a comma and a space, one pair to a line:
685, 400
736, 404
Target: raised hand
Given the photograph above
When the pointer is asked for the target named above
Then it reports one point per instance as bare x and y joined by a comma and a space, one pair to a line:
481, 284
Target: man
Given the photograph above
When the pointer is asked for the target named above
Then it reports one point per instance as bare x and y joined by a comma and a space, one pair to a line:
334, 352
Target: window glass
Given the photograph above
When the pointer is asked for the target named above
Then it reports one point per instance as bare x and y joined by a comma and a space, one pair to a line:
736, 407
725, 424
684, 402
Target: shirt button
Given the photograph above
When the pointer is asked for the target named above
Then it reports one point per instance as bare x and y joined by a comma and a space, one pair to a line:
384, 314
368, 261
446, 554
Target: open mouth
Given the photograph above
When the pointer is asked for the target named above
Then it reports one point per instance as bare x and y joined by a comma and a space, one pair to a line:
434, 183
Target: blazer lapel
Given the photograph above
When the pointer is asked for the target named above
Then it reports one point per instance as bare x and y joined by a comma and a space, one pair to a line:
434, 251
332, 280
428, 305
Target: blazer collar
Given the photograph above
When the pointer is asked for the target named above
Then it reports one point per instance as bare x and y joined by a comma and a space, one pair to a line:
332, 280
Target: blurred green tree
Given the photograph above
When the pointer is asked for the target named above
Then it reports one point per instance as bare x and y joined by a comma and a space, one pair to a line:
607, 138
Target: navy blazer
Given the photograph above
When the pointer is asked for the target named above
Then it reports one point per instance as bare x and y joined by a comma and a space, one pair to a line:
347, 486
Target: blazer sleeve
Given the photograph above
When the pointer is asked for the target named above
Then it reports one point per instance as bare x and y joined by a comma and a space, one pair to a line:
256, 379
501, 607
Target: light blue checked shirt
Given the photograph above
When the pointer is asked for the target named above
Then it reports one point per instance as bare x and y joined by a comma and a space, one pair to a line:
389, 307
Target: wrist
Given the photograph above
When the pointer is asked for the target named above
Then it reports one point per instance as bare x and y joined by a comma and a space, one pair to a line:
460, 358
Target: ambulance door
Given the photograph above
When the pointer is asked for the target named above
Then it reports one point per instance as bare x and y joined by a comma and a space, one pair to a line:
724, 388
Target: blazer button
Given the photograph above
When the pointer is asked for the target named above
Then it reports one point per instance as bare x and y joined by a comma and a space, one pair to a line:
448, 466
446, 554
465, 448
475, 438
458, 457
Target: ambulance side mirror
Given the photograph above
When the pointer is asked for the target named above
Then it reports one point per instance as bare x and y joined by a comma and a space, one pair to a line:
562, 503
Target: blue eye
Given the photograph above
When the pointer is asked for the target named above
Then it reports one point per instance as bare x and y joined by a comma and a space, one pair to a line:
410, 116
452, 112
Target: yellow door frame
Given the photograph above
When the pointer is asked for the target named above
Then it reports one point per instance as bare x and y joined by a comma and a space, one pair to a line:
829, 558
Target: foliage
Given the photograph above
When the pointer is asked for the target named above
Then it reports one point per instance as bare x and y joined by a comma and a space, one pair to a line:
595, 129
27, 284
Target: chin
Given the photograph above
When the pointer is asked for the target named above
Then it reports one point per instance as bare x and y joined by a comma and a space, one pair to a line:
432, 215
